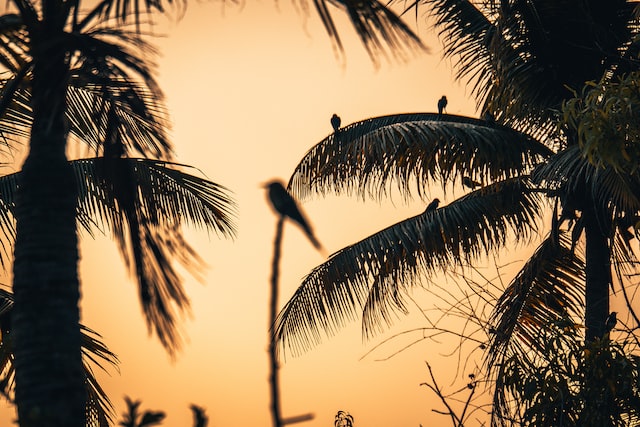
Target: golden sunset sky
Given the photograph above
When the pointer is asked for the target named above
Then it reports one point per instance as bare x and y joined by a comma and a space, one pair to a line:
250, 89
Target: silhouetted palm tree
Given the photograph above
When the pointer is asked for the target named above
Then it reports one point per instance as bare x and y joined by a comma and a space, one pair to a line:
522, 59
72, 77
82, 73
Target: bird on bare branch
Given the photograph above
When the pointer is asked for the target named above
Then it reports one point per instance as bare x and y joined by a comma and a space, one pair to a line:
286, 206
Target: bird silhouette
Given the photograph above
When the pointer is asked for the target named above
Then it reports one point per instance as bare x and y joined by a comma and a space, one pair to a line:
612, 320
286, 206
442, 105
335, 122
469, 183
432, 206
488, 117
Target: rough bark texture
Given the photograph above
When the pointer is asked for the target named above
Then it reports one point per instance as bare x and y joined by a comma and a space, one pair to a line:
49, 378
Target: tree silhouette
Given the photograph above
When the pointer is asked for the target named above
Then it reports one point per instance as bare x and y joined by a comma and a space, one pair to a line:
84, 72
523, 60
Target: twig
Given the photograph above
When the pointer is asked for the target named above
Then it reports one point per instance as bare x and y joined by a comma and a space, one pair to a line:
273, 307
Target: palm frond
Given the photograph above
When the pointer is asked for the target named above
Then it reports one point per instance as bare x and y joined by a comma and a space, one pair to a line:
113, 101
13, 42
550, 286
16, 62
413, 150
336, 291
144, 204
570, 174
381, 31
126, 11
467, 35
8, 185
99, 409
114, 97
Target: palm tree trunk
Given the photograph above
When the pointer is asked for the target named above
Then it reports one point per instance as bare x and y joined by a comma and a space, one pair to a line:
49, 378
598, 273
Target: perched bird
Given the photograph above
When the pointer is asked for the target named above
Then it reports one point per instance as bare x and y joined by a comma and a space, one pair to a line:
286, 206
488, 117
335, 122
469, 183
442, 104
432, 206
611, 321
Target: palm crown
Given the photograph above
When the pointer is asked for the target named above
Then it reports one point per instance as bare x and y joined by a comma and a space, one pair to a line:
522, 60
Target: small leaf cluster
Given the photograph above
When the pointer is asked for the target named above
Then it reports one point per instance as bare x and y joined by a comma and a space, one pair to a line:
575, 383
605, 117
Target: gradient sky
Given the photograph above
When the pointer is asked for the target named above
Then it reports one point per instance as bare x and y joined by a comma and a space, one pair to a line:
250, 89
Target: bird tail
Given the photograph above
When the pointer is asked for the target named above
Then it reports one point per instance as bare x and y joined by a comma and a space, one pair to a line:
312, 238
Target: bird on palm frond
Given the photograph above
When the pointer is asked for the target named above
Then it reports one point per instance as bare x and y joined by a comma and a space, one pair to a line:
335, 122
469, 183
442, 105
432, 206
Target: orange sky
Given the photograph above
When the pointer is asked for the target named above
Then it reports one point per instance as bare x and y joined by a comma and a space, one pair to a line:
250, 90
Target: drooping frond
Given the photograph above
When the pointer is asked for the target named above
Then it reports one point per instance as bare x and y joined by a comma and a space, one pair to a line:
337, 290
8, 187
114, 99
467, 35
570, 175
413, 150
130, 11
144, 204
14, 63
99, 409
94, 354
380, 29
164, 192
550, 286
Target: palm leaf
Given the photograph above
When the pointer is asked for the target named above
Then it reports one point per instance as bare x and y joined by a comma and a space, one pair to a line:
414, 150
145, 203
113, 97
467, 35
550, 286
337, 291
380, 29
570, 174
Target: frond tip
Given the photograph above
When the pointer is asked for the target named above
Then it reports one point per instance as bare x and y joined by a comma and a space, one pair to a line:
381, 31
